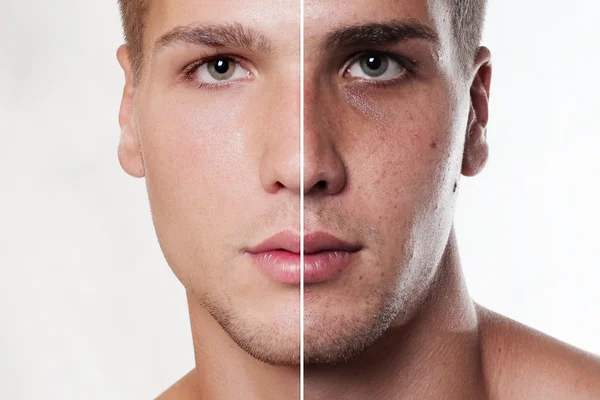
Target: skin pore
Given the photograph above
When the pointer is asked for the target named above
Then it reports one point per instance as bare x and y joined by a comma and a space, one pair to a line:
393, 117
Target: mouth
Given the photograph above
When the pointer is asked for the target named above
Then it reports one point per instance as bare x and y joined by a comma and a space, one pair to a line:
325, 256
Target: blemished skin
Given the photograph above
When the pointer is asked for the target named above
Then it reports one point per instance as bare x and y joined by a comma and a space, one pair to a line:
383, 158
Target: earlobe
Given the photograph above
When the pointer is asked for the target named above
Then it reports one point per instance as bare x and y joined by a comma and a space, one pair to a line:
130, 155
476, 147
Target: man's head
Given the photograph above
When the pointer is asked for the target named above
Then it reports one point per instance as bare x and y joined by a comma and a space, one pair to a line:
210, 117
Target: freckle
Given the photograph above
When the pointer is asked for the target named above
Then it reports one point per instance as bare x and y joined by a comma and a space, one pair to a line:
360, 278
433, 145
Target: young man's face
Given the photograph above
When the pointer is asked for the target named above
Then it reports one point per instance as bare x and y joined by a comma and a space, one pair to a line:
385, 125
387, 122
220, 145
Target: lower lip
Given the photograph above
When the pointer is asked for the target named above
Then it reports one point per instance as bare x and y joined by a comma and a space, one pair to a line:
284, 266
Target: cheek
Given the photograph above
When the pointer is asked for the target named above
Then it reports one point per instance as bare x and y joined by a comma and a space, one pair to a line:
195, 147
408, 150
366, 106
195, 161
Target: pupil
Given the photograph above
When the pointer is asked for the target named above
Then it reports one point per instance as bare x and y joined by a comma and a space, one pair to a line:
222, 66
374, 62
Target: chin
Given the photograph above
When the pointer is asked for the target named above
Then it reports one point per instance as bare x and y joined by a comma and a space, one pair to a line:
278, 349
339, 335
267, 337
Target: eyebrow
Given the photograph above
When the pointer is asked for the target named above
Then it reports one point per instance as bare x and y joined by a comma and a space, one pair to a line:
377, 33
233, 35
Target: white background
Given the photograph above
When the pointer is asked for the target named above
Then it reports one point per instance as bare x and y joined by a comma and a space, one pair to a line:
90, 310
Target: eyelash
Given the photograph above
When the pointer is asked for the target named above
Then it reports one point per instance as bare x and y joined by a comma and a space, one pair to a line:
405, 62
189, 71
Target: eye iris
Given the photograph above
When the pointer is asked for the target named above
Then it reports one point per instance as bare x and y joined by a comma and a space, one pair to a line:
374, 65
221, 69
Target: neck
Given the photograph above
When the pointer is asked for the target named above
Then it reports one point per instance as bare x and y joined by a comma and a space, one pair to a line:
225, 371
435, 355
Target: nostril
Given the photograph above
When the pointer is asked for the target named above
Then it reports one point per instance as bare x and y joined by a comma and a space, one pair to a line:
321, 185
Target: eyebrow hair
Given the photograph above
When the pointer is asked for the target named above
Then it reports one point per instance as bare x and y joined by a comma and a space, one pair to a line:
233, 35
379, 33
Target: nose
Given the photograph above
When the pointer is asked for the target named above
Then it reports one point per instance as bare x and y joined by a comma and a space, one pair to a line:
324, 169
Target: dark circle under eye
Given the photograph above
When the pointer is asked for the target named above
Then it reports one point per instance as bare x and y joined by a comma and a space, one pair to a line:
374, 64
221, 69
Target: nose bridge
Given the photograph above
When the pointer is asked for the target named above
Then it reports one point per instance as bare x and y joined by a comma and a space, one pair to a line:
280, 161
323, 165
314, 133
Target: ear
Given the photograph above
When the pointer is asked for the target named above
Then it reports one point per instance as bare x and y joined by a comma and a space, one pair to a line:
130, 155
476, 147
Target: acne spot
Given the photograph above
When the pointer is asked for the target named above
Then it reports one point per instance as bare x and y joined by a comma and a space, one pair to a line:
433, 145
381, 176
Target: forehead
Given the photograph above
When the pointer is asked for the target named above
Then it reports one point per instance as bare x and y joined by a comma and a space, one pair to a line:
365, 9
277, 19
322, 16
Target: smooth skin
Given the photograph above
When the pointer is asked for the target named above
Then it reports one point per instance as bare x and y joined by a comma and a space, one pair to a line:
383, 162
221, 162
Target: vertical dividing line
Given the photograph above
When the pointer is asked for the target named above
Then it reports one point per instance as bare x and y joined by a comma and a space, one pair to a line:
301, 199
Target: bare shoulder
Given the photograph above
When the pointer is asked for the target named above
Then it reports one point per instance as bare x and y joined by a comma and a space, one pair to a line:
182, 389
522, 363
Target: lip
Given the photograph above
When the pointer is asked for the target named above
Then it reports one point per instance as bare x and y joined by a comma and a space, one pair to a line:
325, 256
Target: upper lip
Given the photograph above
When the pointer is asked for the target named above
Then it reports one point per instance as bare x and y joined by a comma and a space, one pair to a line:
313, 243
